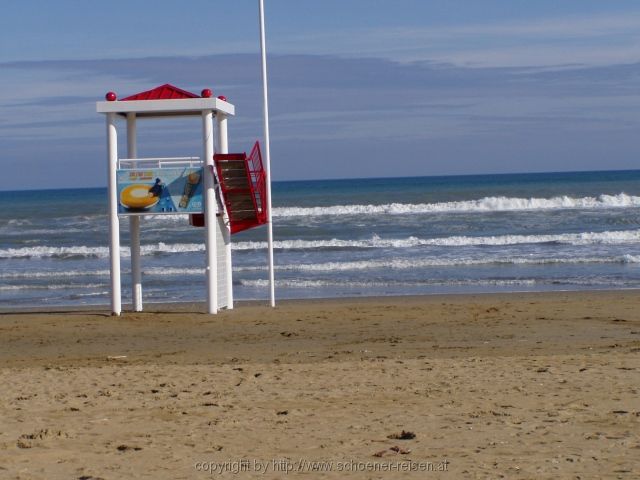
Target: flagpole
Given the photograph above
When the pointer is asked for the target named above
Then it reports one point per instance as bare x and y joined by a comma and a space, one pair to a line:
263, 50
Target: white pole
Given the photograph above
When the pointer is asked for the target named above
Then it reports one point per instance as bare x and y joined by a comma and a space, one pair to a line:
267, 153
114, 225
210, 210
134, 223
222, 146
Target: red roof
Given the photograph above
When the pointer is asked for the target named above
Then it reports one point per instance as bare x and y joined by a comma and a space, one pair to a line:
163, 92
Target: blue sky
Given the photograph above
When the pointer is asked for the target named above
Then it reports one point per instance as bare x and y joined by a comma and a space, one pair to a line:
358, 88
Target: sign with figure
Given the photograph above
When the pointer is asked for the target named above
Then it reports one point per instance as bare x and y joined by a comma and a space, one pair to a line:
160, 190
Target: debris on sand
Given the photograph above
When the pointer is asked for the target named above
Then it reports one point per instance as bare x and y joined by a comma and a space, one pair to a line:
124, 448
402, 436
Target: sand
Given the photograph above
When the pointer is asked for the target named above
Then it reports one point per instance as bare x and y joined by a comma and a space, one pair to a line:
528, 386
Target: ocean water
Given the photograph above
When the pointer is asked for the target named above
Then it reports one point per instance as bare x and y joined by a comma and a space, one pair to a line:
334, 238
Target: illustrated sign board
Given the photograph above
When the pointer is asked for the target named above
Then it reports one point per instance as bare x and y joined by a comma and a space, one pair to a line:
147, 191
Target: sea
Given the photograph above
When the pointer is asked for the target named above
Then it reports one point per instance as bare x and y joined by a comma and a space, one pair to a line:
343, 238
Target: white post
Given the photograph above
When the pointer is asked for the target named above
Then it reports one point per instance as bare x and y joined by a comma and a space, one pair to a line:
134, 223
222, 146
265, 98
210, 210
114, 225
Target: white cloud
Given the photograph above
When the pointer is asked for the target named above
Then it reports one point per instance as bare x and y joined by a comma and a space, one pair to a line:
584, 40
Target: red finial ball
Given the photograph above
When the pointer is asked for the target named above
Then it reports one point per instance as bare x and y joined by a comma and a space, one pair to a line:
110, 97
206, 93
223, 98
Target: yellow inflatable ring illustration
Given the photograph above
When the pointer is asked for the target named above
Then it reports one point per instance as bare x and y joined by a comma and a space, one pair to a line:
137, 196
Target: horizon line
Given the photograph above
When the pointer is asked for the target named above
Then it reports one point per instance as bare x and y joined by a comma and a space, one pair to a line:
372, 178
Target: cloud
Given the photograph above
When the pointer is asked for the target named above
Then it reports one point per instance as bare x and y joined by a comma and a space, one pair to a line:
586, 40
332, 116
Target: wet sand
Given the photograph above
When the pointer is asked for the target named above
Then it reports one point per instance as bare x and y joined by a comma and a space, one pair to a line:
489, 386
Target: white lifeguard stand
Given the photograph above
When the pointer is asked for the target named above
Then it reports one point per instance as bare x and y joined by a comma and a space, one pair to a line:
216, 209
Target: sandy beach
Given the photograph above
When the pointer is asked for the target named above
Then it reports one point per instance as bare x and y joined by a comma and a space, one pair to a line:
471, 386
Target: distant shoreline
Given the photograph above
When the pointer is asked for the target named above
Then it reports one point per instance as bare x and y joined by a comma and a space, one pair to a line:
200, 306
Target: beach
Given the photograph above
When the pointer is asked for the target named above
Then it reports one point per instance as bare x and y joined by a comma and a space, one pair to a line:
449, 223
518, 385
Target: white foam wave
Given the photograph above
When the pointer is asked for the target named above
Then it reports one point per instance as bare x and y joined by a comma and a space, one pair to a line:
294, 283
23, 232
408, 264
153, 271
161, 271
170, 248
18, 222
91, 294
54, 286
60, 274
97, 252
585, 238
486, 204
46, 251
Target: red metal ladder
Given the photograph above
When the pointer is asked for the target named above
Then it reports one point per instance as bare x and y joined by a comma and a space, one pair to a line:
243, 187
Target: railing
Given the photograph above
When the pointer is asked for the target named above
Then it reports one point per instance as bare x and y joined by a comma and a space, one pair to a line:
159, 162
256, 175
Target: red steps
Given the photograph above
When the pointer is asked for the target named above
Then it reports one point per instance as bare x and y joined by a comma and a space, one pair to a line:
243, 186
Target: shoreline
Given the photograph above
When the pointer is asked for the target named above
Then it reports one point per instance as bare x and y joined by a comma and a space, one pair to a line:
533, 385
150, 306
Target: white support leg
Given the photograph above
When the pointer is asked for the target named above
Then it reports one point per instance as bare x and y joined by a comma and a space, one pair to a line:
223, 147
134, 223
210, 210
114, 225
136, 269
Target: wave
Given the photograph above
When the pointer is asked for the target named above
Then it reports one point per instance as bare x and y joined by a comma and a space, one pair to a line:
153, 271
161, 271
18, 222
59, 252
393, 264
293, 283
344, 284
22, 233
78, 296
486, 204
388, 264
410, 263
584, 238
96, 252
57, 286
59, 274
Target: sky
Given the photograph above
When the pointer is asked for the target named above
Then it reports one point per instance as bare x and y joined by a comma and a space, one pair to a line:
358, 88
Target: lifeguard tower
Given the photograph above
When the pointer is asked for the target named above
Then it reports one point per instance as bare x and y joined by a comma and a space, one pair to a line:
223, 192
